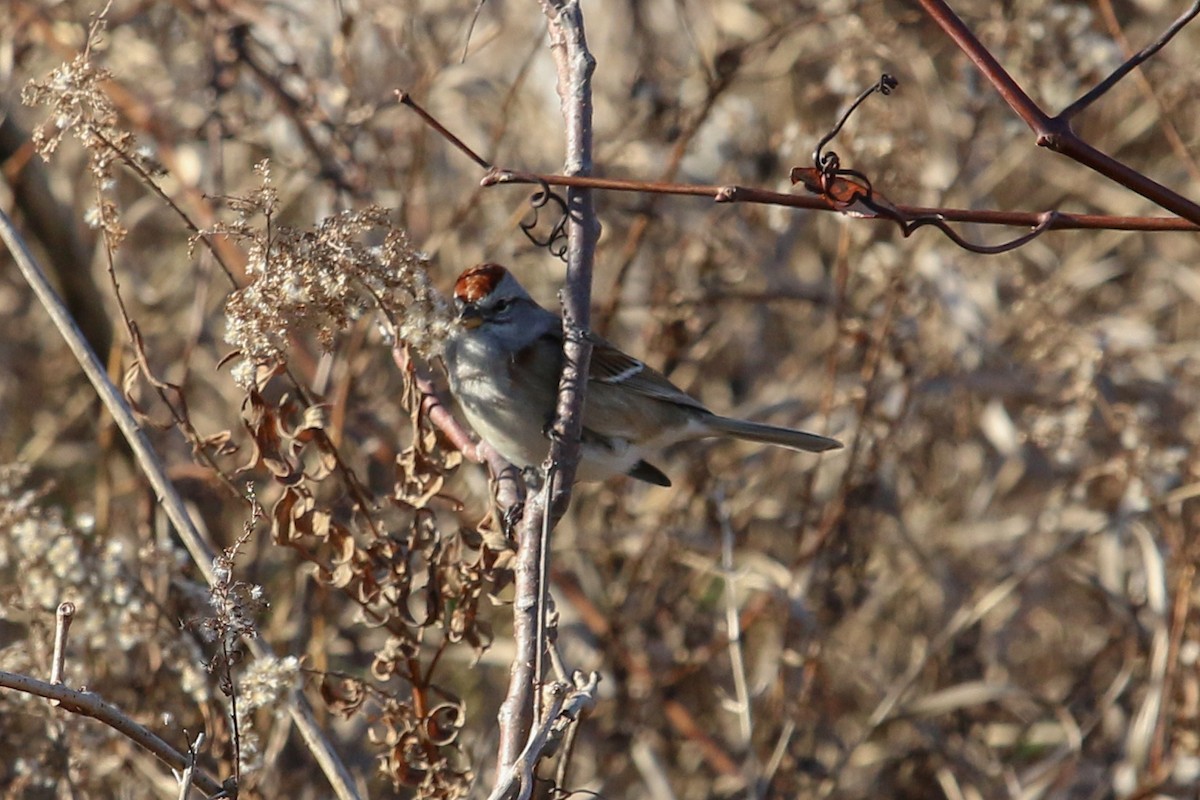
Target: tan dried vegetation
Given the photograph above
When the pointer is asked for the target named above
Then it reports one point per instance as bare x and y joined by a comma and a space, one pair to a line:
989, 593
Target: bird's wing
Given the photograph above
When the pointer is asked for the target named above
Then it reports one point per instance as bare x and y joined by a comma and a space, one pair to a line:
611, 367
615, 382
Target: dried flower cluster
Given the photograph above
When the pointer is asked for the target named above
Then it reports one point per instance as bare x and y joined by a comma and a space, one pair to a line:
79, 106
263, 684
321, 280
236, 605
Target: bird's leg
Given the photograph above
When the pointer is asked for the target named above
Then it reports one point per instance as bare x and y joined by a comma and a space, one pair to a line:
511, 518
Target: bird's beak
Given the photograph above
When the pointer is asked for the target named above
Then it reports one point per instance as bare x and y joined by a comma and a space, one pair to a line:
470, 317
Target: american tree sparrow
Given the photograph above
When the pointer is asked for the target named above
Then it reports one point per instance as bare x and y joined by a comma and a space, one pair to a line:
504, 359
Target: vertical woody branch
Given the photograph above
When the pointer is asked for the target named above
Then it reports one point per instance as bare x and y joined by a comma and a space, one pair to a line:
575, 66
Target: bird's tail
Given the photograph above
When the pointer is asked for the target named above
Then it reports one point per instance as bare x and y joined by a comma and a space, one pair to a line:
771, 434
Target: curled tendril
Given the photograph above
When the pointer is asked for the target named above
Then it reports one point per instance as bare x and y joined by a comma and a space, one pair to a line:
556, 240
851, 191
1045, 223
829, 162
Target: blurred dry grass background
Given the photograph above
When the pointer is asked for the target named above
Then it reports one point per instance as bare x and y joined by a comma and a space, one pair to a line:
989, 593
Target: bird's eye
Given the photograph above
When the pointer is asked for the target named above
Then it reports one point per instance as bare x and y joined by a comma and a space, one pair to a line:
503, 305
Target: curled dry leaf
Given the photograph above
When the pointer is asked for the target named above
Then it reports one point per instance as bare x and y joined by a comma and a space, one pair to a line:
444, 722
418, 479
850, 196
343, 696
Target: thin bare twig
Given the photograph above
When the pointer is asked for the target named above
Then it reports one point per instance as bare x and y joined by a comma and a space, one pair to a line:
189, 774
62, 624
733, 625
1170, 129
1179, 618
542, 607
1130, 64
564, 705
654, 776
1054, 133
89, 704
1139, 738
748, 194
404, 98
